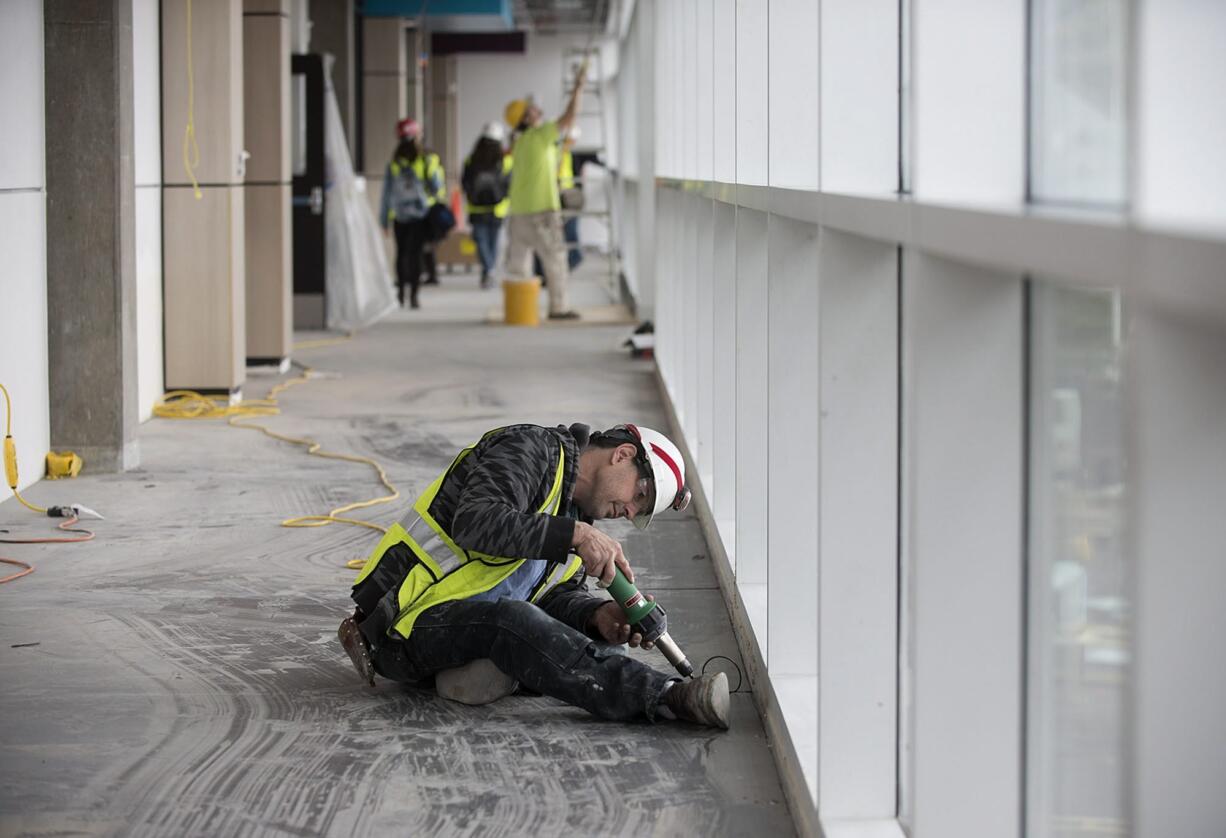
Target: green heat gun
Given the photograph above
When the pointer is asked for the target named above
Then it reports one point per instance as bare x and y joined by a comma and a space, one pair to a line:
649, 619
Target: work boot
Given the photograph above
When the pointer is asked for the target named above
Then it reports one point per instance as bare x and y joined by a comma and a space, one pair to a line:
476, 682
357, 649
703, 701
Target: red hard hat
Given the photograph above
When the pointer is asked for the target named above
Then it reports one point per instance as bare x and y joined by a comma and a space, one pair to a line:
408, 129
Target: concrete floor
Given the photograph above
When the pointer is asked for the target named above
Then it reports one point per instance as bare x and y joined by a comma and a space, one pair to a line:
180, 675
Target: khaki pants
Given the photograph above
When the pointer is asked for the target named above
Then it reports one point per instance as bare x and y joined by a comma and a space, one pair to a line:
540, 232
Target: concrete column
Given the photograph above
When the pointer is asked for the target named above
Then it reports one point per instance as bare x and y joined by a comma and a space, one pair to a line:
204, 236
268, 189
91, 231
332, 33
384, 98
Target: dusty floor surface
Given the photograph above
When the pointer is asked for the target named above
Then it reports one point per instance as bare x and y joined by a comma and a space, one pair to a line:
180, 675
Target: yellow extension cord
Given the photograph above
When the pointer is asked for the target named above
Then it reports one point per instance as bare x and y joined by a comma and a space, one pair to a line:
187, 404
10, 454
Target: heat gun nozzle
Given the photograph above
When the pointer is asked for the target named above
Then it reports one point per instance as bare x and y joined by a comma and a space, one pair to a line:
674, 654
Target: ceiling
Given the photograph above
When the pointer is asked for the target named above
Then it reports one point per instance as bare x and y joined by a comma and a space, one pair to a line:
576, 16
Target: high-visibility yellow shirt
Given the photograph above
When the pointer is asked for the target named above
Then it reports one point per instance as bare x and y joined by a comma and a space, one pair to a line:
534, 186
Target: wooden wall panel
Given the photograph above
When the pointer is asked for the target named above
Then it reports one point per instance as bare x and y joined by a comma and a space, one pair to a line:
217, 79
204, 286
269, 246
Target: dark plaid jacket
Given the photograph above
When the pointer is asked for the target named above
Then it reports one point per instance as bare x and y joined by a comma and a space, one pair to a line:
488, 504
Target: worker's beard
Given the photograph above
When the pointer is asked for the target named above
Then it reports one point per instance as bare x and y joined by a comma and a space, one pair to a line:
609, 490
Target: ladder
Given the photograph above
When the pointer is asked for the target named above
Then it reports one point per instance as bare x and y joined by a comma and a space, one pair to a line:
604, 214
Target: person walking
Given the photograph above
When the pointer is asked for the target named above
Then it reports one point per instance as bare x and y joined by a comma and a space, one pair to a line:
535, 220
486, 180
481, 585
412, 182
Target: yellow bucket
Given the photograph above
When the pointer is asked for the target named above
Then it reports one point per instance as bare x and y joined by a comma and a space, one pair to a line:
519, 301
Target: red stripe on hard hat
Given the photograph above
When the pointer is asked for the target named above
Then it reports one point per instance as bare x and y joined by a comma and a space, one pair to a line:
663, 455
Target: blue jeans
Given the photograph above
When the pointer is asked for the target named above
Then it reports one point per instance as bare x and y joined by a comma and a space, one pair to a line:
485, 233
542, 653
570, 232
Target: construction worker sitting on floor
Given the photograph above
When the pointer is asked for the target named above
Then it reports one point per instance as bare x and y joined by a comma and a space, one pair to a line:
482, 585
535, 220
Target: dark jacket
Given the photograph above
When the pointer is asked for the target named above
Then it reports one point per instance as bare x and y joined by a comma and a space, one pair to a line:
487, 503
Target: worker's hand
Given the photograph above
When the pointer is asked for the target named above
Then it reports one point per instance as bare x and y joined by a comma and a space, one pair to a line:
387, 232
601, 554
609, 621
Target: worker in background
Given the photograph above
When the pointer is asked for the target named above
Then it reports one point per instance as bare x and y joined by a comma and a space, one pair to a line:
486, 180
570, 193
412, 182
479, 585
535, 220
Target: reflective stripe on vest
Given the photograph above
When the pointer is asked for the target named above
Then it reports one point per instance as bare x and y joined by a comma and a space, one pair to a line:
444, 570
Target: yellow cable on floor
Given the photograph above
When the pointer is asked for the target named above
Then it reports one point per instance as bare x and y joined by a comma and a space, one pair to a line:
10, 454
188, 404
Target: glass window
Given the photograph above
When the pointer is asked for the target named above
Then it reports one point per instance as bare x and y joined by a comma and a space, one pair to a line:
1079, 656
1078, 120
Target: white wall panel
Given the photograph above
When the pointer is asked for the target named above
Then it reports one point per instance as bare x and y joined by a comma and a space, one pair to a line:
704, 340
149, 355
147, 163
704, 76
752, 93
962, 426
1182, 113
751, 399
969, 85
1176, 468
146, 94
858, 595
723, 77
21, 95
723, 493
793, 93
23, 284
687, 55
859, 95
23, 322
792, 457
538, 71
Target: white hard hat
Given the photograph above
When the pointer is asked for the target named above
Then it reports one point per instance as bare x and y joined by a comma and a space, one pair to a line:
667, 469
495, 131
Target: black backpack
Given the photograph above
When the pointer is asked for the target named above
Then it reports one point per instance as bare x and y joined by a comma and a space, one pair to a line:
485, 188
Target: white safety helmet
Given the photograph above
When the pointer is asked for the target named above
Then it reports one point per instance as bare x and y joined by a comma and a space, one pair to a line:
660, 460
495, 131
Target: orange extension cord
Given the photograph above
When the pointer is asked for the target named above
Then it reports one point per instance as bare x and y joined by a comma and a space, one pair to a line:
66, 526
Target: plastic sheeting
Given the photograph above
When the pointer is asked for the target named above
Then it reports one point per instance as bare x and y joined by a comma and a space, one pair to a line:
358, 279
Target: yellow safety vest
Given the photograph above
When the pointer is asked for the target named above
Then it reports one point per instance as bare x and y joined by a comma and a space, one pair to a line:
566, 170
444, 571
424, 166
